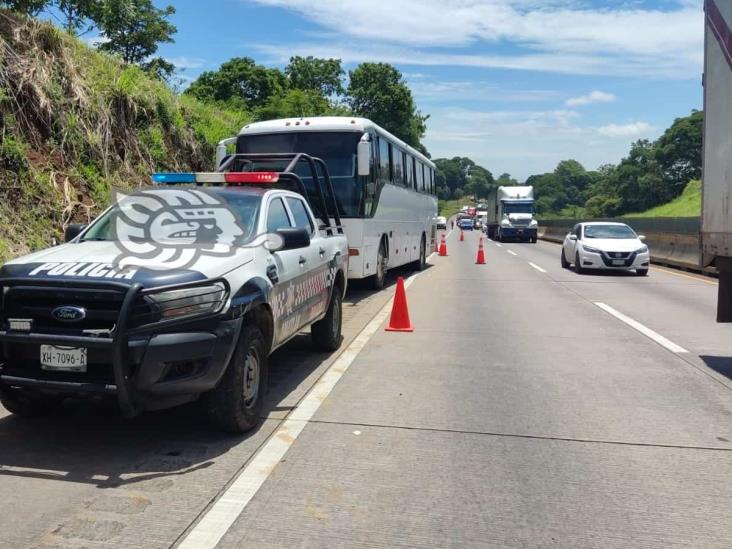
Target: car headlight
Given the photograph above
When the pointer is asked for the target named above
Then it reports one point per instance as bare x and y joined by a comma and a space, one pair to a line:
190, 301
534, 223
591, 250
642, 250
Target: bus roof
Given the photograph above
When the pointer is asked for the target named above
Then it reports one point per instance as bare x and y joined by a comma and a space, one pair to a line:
325, 124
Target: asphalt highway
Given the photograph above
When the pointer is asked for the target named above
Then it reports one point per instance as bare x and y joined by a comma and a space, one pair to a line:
530, 407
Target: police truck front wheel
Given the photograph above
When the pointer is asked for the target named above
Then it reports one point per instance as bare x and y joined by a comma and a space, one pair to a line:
326, 333
235, 405
24, 403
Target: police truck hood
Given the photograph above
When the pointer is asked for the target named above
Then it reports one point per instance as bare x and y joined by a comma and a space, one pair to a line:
101, 260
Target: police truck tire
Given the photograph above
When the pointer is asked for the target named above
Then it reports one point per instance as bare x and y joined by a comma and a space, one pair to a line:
326, 333
378, 280
641, 272
235, 406
22, 403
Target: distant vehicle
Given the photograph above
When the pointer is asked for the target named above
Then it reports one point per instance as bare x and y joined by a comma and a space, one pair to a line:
478, 224
511, 214
385, 189
466, 224
716, 221
471, 211
464, 209
441, 223
604, 245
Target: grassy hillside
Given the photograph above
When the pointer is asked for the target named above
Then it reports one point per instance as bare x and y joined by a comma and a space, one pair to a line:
688, 204
75, 122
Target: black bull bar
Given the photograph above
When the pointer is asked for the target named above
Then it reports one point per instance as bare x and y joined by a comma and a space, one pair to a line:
116, 340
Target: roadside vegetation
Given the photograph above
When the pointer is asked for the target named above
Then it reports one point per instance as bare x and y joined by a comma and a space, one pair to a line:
686, 205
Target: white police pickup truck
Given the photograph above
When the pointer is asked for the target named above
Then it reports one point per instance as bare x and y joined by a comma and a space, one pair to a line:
178, 293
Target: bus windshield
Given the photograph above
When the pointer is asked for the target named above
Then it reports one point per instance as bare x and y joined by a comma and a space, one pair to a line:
336, 149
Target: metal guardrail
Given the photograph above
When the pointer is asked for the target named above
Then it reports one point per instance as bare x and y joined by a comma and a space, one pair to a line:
673, 241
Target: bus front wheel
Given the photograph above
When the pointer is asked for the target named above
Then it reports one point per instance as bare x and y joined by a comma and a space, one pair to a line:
378, 280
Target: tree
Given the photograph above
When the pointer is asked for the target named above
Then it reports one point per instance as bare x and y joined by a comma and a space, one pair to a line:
77, 14
160, 68
240, 79
27, 7
378, 91
505, 180
318, 75
296, 103
679, 151
134, 28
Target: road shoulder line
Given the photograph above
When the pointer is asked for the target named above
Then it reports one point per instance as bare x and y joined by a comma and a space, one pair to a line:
655, 336
219, 518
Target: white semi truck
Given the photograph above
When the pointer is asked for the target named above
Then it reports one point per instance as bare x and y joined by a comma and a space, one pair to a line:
511, 214
716, 226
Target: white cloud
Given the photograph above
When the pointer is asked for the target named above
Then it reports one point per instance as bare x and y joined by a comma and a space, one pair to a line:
595, 96
525, 142
183, 62
476, 91
634, 129
95, 41
563, 36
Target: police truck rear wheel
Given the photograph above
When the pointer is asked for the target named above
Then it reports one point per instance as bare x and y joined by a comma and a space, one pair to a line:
235, 405
326, 333
421, 263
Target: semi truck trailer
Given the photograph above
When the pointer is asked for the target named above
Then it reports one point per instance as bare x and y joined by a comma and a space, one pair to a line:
511, 214
716, 223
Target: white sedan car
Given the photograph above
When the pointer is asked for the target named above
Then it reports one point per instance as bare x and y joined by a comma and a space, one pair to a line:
605, 245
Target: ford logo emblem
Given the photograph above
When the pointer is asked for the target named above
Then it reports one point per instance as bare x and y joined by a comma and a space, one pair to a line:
69, 313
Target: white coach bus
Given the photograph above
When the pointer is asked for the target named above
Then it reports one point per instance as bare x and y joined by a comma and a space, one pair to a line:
385, 189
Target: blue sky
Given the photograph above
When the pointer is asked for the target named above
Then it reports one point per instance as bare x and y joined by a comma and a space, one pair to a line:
517, 85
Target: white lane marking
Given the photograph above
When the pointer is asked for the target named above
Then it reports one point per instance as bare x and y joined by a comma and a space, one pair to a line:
512, 252
498, 244
535, 266
658, 338
219, 518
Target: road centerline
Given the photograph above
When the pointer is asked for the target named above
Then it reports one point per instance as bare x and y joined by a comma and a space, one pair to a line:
655, 336
535, 266
512, 252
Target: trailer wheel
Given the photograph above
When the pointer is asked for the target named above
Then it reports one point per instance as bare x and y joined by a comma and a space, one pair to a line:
421, 263
235, 405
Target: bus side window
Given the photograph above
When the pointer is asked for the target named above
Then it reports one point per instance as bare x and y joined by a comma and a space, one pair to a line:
398, 158
410, 171
384, 160
432, 181
420, 176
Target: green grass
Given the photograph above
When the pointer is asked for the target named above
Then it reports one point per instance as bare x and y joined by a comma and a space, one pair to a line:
447, 208
686, 205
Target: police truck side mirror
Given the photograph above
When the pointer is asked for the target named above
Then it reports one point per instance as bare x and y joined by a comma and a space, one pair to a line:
573, 237
72, 231
294, 239
363, 154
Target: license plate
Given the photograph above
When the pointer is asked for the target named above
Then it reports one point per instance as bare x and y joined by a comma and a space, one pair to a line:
618, 261
63, 359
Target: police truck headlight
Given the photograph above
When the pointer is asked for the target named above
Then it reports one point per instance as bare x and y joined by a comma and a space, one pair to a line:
195, 301
534, 223
642, 250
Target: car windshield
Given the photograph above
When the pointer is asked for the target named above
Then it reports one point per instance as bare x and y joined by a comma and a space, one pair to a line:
609, 231
202, 216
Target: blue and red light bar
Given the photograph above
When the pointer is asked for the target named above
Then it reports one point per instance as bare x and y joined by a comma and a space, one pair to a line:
230, 178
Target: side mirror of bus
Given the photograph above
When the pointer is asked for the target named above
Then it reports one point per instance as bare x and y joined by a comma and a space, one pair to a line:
221, 153
364, 157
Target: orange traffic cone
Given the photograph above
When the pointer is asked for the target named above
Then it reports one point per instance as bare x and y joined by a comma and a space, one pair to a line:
462, 238
399, 321
443, 246
481, 253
